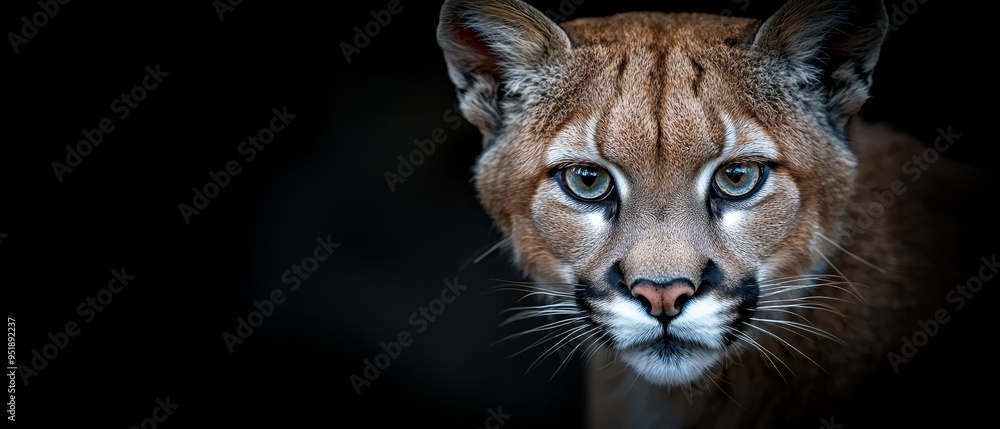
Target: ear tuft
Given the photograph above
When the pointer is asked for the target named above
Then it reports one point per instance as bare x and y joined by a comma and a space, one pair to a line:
493, 47
832, 44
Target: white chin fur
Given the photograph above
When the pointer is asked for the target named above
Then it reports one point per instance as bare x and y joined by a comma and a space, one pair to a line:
672, 369
639, 336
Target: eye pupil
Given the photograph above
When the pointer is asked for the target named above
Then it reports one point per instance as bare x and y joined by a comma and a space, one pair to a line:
737, 180
588, 177
587, 183
736, 172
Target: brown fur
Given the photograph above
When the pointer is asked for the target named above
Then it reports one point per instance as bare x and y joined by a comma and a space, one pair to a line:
658, 85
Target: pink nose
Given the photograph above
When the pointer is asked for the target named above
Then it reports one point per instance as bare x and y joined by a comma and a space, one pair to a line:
663, 297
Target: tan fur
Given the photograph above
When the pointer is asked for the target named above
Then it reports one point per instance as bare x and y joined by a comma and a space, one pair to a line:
661, 89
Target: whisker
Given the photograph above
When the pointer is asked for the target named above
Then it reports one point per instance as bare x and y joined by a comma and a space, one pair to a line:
760, 347
546, 338
787, 344
491, 249
804, 307
527, 314
556, 305
792, 279
538, 313
541, 293
613, 361
807, 328
790, 330
764, 352
545, 327
798, 285
806, 299
561, 342
787, 312
633, 384
829, 285
533, 284
609, 349
534, 291
727, 394
549, 289
569, 356
851, 254
828, 261
596, 345
825, 281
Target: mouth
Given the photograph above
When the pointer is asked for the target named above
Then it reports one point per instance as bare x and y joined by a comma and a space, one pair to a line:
682, 343
677, 349
672, 361
667, 343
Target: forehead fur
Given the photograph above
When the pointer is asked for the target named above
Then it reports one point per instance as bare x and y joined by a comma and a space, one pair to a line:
644, 29
659, 86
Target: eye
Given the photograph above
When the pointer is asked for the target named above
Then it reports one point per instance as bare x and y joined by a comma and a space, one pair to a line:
585, 182
738, 179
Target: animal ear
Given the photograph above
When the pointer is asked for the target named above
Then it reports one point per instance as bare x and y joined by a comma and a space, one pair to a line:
831, 46
495, 49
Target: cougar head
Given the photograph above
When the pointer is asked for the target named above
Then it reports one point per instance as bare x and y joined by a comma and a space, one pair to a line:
654, 172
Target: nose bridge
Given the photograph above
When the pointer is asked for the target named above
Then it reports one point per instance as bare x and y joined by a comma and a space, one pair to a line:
665, 252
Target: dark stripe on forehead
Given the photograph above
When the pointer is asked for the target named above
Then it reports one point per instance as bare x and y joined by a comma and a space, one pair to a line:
699, 71
658, 78
620, 71
622, 65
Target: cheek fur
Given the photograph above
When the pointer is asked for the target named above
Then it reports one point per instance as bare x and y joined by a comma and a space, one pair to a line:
759, 230
573, 232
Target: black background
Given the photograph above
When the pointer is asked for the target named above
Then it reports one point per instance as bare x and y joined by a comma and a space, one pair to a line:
322, 176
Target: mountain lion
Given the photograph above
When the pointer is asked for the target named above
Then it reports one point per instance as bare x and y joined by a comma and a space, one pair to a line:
701, 209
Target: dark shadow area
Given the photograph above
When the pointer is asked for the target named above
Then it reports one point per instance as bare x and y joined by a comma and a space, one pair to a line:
385, 257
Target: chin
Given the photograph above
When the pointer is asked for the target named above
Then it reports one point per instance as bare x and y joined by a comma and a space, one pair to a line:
671, 363
677, 350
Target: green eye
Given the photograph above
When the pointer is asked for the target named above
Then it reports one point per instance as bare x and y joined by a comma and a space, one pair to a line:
587, 183
738, 179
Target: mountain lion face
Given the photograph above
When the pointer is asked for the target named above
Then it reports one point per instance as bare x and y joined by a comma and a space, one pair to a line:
665, 179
